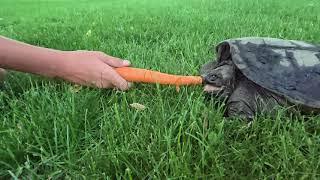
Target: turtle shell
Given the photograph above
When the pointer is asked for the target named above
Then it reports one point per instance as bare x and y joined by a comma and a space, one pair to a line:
288, 68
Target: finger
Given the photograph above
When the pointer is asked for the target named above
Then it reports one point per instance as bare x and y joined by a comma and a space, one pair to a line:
116, 80
119, 82
113, 61
103, 84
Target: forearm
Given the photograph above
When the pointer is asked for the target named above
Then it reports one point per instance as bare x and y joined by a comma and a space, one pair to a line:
23, 57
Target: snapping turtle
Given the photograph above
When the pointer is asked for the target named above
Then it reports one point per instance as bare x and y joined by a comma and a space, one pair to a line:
257, 74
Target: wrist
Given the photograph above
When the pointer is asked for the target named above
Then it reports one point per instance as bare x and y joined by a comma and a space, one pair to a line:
59, 68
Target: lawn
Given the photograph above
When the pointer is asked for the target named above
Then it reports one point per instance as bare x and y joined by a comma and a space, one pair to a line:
53, 129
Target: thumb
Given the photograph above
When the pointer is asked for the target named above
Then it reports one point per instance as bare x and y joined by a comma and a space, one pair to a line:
113, 61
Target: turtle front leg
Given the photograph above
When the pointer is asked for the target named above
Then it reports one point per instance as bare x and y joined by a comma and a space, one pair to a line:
249, 99
241, 103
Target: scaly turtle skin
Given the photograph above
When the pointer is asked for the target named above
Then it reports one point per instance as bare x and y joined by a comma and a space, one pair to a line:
257, 75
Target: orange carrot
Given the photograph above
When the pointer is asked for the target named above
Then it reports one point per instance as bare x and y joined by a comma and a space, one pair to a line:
148, 76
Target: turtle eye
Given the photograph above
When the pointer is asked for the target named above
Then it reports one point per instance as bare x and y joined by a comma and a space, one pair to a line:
211, 78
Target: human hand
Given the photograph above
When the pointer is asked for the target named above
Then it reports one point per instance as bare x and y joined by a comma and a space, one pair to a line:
93, 68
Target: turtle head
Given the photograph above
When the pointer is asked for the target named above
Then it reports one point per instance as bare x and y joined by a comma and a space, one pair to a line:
218, 77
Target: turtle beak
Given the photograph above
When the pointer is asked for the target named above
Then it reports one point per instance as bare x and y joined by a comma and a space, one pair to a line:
208, 88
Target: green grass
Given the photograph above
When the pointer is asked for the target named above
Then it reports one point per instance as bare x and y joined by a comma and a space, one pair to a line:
49, 131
